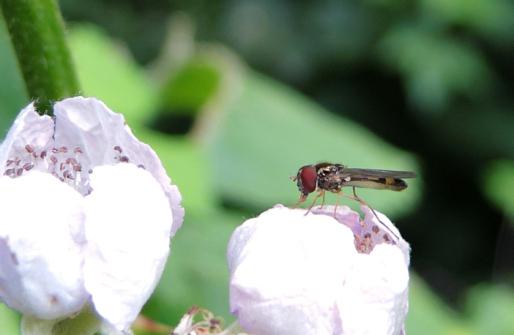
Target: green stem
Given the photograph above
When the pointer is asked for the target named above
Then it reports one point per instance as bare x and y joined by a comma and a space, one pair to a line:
37, 33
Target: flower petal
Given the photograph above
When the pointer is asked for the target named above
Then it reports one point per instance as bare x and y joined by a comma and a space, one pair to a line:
30, 129
105, 138
374, 297
41, 246
127, 229
285, 269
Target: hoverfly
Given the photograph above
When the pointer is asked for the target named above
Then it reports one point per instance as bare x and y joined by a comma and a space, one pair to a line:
331, 177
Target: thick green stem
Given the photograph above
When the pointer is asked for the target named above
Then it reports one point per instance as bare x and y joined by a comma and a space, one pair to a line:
37, 33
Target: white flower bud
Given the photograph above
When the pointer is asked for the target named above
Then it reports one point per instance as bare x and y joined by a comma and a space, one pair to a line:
293, 273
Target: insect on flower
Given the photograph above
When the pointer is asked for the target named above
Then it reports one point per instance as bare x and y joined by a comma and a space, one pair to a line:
331, 177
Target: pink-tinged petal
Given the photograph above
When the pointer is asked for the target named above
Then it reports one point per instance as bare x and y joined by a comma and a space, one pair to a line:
29, 133
293, 273
41, 249
128, 228
286, 268
374, 298
104, 138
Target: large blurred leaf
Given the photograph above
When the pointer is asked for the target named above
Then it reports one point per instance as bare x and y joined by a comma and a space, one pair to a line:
186, 91
428, 315
499, 185
12, 90
492, 309
481, 131
190, 87
262, 132
107, 71
493, 18
436, 69
9, 321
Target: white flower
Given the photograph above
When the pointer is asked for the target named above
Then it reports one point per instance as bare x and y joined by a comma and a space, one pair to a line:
293, 273
86, 215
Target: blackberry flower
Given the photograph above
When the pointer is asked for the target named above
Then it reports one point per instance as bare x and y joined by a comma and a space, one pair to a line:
87, 213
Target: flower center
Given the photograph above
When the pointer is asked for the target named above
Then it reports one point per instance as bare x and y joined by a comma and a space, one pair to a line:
68, 164
370, 235
367, 234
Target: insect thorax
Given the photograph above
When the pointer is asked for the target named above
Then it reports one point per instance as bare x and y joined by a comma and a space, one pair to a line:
329, 177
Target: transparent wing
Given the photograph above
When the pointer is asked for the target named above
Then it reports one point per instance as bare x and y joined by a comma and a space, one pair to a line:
376, 174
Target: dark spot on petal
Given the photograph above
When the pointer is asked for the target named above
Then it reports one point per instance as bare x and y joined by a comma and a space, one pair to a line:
28, 166
14, 258
53, 299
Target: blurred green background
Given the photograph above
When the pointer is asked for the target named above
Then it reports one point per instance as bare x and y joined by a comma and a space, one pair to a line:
235, 96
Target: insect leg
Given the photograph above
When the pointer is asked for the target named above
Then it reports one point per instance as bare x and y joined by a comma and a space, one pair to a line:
321, 193
323, 200
338, 200
362, 202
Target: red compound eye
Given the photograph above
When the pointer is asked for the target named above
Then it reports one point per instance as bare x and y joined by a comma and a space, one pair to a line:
307, 178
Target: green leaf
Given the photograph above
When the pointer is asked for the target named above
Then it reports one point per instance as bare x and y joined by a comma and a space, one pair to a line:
491, 309
262, 132
428, 315
107, 72
492, 18
191, 87
9, 320
435, 68
84, 323
499, 183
